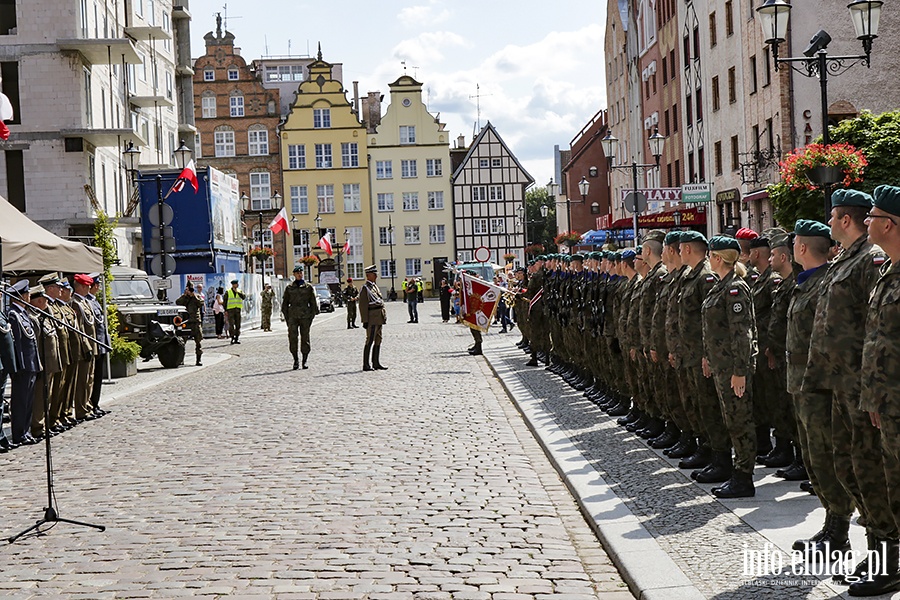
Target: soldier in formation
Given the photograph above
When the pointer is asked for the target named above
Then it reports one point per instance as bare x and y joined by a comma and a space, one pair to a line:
712, 349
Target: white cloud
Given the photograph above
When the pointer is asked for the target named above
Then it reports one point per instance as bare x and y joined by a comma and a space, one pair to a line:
428, 48
423, 15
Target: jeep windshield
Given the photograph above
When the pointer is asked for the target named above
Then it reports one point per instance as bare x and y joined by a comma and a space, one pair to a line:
132, 289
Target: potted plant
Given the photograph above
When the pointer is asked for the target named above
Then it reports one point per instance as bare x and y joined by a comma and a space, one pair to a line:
123, 358
567, 238
818, 165
309, 260
509, 257
261, 253
534, 250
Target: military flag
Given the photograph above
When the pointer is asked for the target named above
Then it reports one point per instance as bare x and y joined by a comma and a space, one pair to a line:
478, 302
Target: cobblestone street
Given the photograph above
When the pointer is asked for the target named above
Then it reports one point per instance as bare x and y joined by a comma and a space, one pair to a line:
245, 479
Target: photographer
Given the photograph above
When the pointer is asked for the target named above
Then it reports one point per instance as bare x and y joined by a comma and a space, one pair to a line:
194, 306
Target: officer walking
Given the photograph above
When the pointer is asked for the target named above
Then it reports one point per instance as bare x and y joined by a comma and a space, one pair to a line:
234, 303
194, 306
351, 295
373, 316
299, 307
266, 297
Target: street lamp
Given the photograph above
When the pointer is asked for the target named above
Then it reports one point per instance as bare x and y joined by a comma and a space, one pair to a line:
610, 145
545, 210
552, 193
676, 218
183, 154
392, 295
774, 16
584, 186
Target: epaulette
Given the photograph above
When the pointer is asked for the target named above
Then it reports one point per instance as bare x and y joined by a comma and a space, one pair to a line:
734, 291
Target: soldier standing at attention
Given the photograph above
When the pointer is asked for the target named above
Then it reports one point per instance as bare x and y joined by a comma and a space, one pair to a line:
7, 368
84, 381
48, 345
351, 295
881, 369
299, 307
234, 303
373, 316
28, 365
58, 383
103, 336
266, 297
193, 305
729, 342
835, 360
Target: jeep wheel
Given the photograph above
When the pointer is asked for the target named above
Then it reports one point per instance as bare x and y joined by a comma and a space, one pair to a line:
172, 354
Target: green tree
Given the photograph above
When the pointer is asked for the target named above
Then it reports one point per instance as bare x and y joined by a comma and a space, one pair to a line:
877, 136
539, 229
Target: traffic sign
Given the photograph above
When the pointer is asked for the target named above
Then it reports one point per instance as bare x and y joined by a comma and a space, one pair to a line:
482, 254
156, 266
167, 213
635, 202
163, 284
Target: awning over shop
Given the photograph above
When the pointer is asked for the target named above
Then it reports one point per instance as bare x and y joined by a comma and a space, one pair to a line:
666, 220
598, 238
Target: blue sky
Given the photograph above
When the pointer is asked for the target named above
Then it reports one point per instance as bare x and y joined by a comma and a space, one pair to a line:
539, 64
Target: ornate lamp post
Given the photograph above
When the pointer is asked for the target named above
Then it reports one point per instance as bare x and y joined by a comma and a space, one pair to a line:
774, 16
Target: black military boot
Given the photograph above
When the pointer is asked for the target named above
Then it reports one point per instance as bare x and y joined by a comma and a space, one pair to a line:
621, 409
829, 545
719, 470
376, 355
861, 570
763, 443
366, 350
639, 424
801, 544
781, 455
739, 486
685, 448
795, 472
474, 350
633, 415
887, 577
297, 361
669, 439
699, 459
305, 355
807, 486
653, 428
533, 362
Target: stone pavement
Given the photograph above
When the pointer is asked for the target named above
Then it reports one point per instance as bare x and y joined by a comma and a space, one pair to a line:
668, 535
245, 479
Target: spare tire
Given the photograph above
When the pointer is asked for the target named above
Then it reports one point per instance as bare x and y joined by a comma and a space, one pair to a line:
172, 354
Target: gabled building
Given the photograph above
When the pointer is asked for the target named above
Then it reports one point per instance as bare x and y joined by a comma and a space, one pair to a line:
84, 80
325, 170
237, 133
489, 198
284, 73
412, 218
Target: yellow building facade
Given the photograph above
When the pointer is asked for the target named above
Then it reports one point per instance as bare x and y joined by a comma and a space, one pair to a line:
325, 167
412, 212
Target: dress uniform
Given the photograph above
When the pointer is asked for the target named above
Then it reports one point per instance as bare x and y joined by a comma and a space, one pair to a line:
234, 304
373, 316
48, 345
58, 382
84, 380
194, 307
299, 307
351, 295
77, 346
7, 369
28, 365
266, 298
103, 337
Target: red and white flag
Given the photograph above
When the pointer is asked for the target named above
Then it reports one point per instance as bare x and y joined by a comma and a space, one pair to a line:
347, 248
280, 222
478, 302
6, 114
325, 243
189, 174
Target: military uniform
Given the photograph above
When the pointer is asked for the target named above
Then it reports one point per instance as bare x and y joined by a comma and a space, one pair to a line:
48, 345
28, 365
100, 358
7, 370
373, 316
351, 295
266, 298
299, 307
84, 379
194, 307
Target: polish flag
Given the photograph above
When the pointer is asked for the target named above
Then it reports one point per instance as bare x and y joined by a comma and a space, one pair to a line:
6, 114
325, 243
279, 223
189, 174
347, 248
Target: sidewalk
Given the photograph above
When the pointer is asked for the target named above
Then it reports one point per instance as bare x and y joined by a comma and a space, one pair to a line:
669, 537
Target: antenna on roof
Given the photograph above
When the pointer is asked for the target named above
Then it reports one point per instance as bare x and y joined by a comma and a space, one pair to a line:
478, 96
225, 17
266, 41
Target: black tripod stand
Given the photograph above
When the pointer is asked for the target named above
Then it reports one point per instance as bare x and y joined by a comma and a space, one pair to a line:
50, 513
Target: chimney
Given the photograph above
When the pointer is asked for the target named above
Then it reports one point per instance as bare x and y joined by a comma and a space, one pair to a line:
461, 141
372, 108
356, 98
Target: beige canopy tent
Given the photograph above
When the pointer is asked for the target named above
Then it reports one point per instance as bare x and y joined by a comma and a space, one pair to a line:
28, 247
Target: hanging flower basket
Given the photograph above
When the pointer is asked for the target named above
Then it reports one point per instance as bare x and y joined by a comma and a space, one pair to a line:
568, 238
509, 257
261, 253
817, 165
309, 260
534, 249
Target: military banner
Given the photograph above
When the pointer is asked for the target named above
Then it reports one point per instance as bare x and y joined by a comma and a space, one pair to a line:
478, 302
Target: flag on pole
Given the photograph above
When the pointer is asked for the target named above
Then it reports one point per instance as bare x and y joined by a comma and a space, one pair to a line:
347, 248
479, 302
189, 174
279, 223
6, 114
325, 243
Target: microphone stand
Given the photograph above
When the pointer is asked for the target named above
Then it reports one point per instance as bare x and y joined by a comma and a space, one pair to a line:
50, 513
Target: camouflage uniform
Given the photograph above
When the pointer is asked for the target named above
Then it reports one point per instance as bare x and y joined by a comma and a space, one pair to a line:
835, 359
812, 408
299, 307
729, 342
266, 296
652, 286
779, 401
672, 346
193, 305
658, 344
764, 384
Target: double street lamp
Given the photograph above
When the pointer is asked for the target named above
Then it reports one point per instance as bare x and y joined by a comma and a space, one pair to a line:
584, 187
610, 146
774, 16
545, 210
275, 204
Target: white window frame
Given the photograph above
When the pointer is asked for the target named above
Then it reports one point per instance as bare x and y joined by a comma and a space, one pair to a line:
236, 105
321, 118
437, 234
349, 155
296, 156
407, 135
352, 198
325, 198
495, 192
484, 163
416, 270
260, 190
385, 202
299, 200
434, 167
410, 201
258, 142
409, 169
385, 237
209, 74
324, 156
233, 74
387, 268
498, 225
384, 169
479, 226
436, 200
224, 146
479, 193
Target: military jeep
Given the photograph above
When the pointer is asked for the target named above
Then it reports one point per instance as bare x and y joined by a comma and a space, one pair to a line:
156, 325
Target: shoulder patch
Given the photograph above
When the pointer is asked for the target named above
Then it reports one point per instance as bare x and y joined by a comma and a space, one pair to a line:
734, 291
755, 276
778, 280
737, 307
710, 278
878, 260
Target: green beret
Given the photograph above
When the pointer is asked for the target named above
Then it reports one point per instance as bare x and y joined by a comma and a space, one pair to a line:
759, 242
720, 242
616, 256
566, 258
539, 257
576, 257
846, 197
639, 250
656, 235
887, 198
693, 236
672, 238
809, 228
